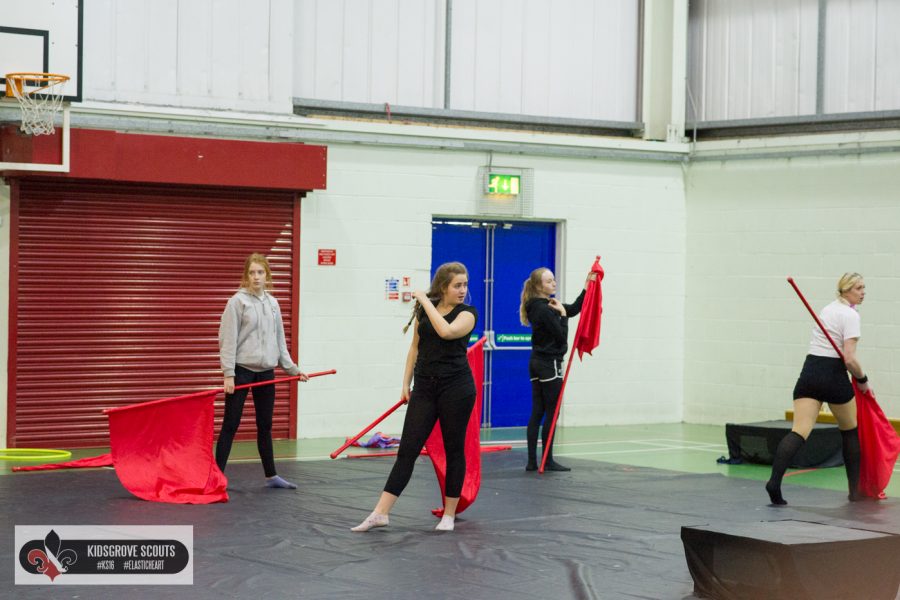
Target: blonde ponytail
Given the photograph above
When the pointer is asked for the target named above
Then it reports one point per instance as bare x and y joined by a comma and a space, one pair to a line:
530, 289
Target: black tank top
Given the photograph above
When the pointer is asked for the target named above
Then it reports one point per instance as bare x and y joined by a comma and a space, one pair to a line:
439, 357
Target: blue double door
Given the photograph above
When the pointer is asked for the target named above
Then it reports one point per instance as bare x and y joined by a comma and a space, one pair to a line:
499, 256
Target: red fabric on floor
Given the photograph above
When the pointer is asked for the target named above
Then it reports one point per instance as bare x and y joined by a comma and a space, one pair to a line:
103, 460
162, 450
435, 443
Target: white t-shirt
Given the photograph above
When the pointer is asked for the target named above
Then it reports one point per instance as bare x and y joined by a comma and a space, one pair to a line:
842, 323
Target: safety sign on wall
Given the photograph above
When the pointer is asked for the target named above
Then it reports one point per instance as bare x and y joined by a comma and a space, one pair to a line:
327, 257
392, 287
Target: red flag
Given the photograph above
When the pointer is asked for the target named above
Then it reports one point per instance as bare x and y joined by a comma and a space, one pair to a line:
103, 460
587, 335
162, 450
435, 443
879, 445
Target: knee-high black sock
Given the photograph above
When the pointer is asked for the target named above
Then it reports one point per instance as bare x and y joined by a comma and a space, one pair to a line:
787, 448
850, 450
531, 435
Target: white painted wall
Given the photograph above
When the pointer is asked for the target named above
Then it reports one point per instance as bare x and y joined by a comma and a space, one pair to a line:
752, 223
377, 214
216, 54
699, 323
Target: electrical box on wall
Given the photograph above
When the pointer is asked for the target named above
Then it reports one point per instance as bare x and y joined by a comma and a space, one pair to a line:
506, 191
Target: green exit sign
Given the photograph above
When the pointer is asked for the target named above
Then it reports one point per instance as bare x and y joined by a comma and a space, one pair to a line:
499, 183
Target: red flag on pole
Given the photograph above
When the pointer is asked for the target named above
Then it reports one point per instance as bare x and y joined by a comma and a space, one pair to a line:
162, 450
435, 443
587, 337
587, 334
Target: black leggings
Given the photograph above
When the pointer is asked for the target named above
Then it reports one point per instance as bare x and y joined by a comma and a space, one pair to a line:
433, 400
544, 396
263, 403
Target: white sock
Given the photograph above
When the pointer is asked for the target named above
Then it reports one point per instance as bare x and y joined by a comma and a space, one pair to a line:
446, 523
373, 520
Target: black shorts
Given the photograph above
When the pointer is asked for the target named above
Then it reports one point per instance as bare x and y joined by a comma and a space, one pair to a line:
545, 369
825, 379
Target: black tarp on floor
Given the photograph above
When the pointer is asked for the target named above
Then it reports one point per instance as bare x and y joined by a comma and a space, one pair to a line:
601, 531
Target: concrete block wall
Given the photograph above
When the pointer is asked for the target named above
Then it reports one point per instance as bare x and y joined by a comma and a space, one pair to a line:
752, 223
376, 212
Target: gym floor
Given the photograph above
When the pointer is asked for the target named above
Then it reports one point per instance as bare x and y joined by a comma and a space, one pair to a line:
673, 447
608, 529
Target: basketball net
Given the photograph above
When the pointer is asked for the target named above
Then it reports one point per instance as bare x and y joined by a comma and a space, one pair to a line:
40, 98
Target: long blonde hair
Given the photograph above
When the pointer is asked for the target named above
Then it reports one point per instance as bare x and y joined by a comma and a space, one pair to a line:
531, 289
846, 283
439, 284
261, 260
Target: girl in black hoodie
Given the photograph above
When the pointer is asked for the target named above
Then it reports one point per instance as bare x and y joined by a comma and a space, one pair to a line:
549, 320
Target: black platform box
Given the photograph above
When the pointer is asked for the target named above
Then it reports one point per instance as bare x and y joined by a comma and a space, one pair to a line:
756, 443
793, 560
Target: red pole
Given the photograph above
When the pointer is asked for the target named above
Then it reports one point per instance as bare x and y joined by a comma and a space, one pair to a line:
366, 430
814, 316
563, 388
556, 412
218, 391
283, 379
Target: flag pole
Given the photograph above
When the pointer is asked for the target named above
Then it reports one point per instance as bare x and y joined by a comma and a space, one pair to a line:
215, 391
814, 316
562, 390
349, 442
283, 379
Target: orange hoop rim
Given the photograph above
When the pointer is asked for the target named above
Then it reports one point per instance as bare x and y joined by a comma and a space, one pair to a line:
40, 81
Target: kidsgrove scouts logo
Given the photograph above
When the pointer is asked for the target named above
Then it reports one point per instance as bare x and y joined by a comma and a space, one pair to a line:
104, 555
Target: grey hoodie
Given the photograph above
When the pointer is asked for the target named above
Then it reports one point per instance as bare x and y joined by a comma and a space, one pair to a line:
251, 334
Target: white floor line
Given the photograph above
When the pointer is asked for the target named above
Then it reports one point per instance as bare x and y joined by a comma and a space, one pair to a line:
635, 451
619, 442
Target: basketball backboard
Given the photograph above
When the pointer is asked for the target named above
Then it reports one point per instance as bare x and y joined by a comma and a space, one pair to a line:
42, 36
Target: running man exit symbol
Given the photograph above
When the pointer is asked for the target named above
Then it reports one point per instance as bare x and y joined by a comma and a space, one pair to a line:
499, 183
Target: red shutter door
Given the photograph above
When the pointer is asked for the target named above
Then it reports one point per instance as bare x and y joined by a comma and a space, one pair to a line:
116, 294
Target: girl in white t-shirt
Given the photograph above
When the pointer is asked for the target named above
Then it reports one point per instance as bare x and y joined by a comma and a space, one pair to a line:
824, 379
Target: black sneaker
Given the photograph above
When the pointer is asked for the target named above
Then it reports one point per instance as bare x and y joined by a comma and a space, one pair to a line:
531, 466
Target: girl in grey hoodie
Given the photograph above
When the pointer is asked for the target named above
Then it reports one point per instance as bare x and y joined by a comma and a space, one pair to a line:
251, 345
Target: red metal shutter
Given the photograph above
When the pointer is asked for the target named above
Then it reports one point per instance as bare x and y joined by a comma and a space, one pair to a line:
116, 295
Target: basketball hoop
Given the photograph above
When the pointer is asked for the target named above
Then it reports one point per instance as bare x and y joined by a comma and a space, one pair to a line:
40, 98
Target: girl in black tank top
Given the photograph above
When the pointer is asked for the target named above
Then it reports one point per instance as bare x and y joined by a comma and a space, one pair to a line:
444, 390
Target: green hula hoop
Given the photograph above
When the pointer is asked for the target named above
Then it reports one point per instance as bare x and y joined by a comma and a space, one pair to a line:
33, 454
